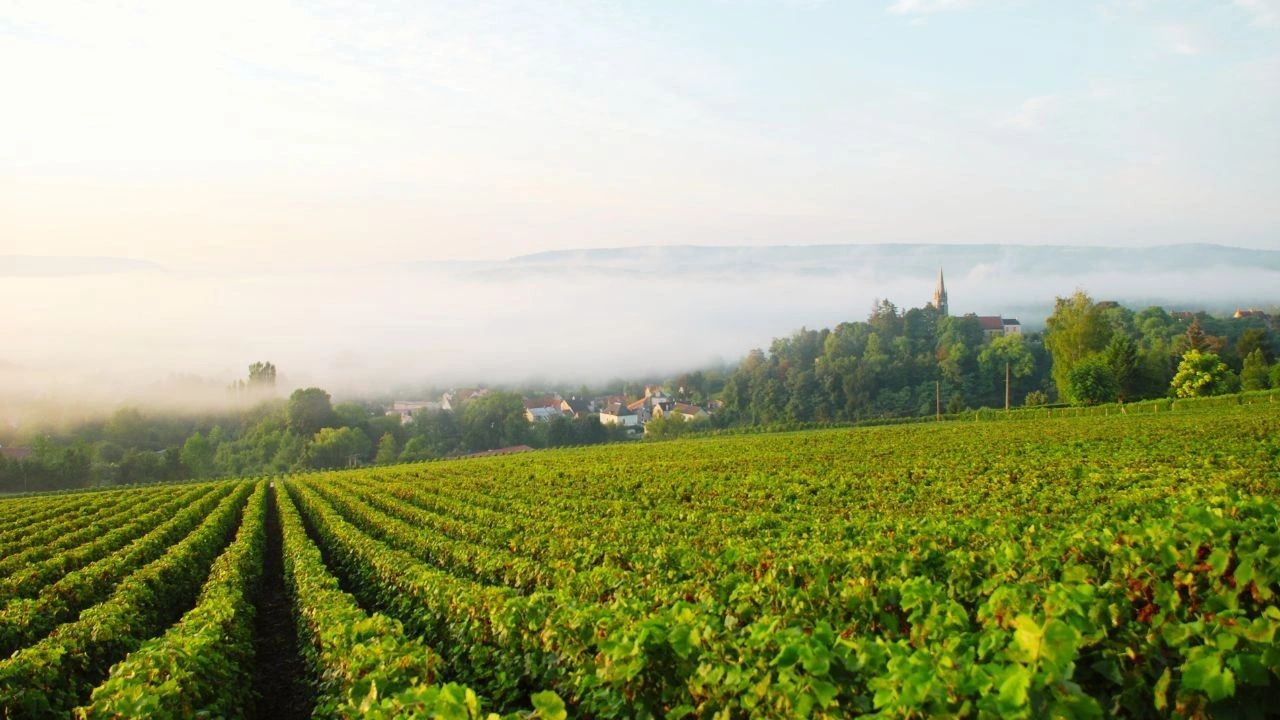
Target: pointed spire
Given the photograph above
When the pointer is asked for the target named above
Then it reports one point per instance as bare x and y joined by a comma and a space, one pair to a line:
940, 295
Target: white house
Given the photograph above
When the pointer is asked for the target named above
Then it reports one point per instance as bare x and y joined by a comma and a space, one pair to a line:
619, 414
993, 326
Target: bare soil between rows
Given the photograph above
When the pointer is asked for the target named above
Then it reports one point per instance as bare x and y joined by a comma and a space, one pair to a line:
279, 676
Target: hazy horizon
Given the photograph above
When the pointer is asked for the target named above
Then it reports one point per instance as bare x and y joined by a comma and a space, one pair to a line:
352, 191
565, 317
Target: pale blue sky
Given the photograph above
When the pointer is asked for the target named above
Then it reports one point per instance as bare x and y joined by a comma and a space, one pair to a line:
269, 133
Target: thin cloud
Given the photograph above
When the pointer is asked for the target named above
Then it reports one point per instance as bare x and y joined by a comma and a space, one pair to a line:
1181, 40
1032, 113
927, 7
1266, 13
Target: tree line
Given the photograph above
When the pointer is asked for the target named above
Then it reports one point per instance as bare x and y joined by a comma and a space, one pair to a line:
919, 362
306, 431
895, 363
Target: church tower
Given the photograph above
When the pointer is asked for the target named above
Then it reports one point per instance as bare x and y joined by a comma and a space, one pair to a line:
940, 295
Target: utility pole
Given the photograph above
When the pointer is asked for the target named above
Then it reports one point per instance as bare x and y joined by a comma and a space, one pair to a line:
937, 398
1006, 385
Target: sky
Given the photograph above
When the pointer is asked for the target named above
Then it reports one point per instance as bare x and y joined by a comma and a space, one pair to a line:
284, 164
270, 135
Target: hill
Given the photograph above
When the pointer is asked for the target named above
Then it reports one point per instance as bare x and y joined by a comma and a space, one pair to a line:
1117, 565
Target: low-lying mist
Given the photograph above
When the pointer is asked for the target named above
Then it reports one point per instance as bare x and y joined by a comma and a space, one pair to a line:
80, 341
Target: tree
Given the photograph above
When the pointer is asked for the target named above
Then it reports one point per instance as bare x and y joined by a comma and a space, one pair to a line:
1122, 355
1092, 382
197, 456
387, 451
438, 432
308, 411
140, 466
416, 449
493, 421
290, 454
1196, 339
1036, 398
560, 432
1011, 355
337, 447
128, 428
109, 452
1076, 330
352, 415
262, 375
1256, 373
1201, 374
1254, 339
588, 429
691, 386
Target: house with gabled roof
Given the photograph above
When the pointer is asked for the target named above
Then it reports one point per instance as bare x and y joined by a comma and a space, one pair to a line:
542, 409
575, 407
619, 414
453, 400
993, 326
684, 411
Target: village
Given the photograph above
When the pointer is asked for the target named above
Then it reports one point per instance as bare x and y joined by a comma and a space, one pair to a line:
630, 414
635, 413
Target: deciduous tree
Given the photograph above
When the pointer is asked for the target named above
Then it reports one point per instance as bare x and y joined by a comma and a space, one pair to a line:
1200, 374
309, 410
1076, 330
1092, 382
197, 455
1010, 355
1256, 372
387, 451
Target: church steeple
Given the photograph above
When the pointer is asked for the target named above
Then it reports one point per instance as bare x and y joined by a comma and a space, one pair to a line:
940, 295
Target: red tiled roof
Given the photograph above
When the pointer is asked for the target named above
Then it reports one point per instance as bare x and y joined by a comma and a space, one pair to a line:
991, 322
618, 409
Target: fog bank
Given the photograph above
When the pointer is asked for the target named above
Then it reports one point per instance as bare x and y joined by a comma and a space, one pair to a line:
83, 337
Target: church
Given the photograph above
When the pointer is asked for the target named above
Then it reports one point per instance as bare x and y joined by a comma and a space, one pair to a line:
993, 326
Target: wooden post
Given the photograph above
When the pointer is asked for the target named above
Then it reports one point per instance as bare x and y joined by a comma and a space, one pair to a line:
1006, 386
937, 398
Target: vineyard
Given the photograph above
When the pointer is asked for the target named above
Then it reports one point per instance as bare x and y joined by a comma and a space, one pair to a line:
1059, 567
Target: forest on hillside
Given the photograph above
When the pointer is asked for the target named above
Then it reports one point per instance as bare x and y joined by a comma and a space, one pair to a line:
894, 364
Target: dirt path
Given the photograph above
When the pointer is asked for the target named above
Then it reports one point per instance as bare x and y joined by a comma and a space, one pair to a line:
279, 678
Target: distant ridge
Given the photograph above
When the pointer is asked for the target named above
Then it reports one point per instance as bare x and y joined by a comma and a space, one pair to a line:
910, 259
50, 266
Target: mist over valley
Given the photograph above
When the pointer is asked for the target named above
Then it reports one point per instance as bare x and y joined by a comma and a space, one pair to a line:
102, 331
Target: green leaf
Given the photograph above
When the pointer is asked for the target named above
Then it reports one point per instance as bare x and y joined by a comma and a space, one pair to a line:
548, 705
682, 639
1250, 670
1027, 639
1161, 691
824, 691
788, 656
1012, 696
817, 661
1208, 676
